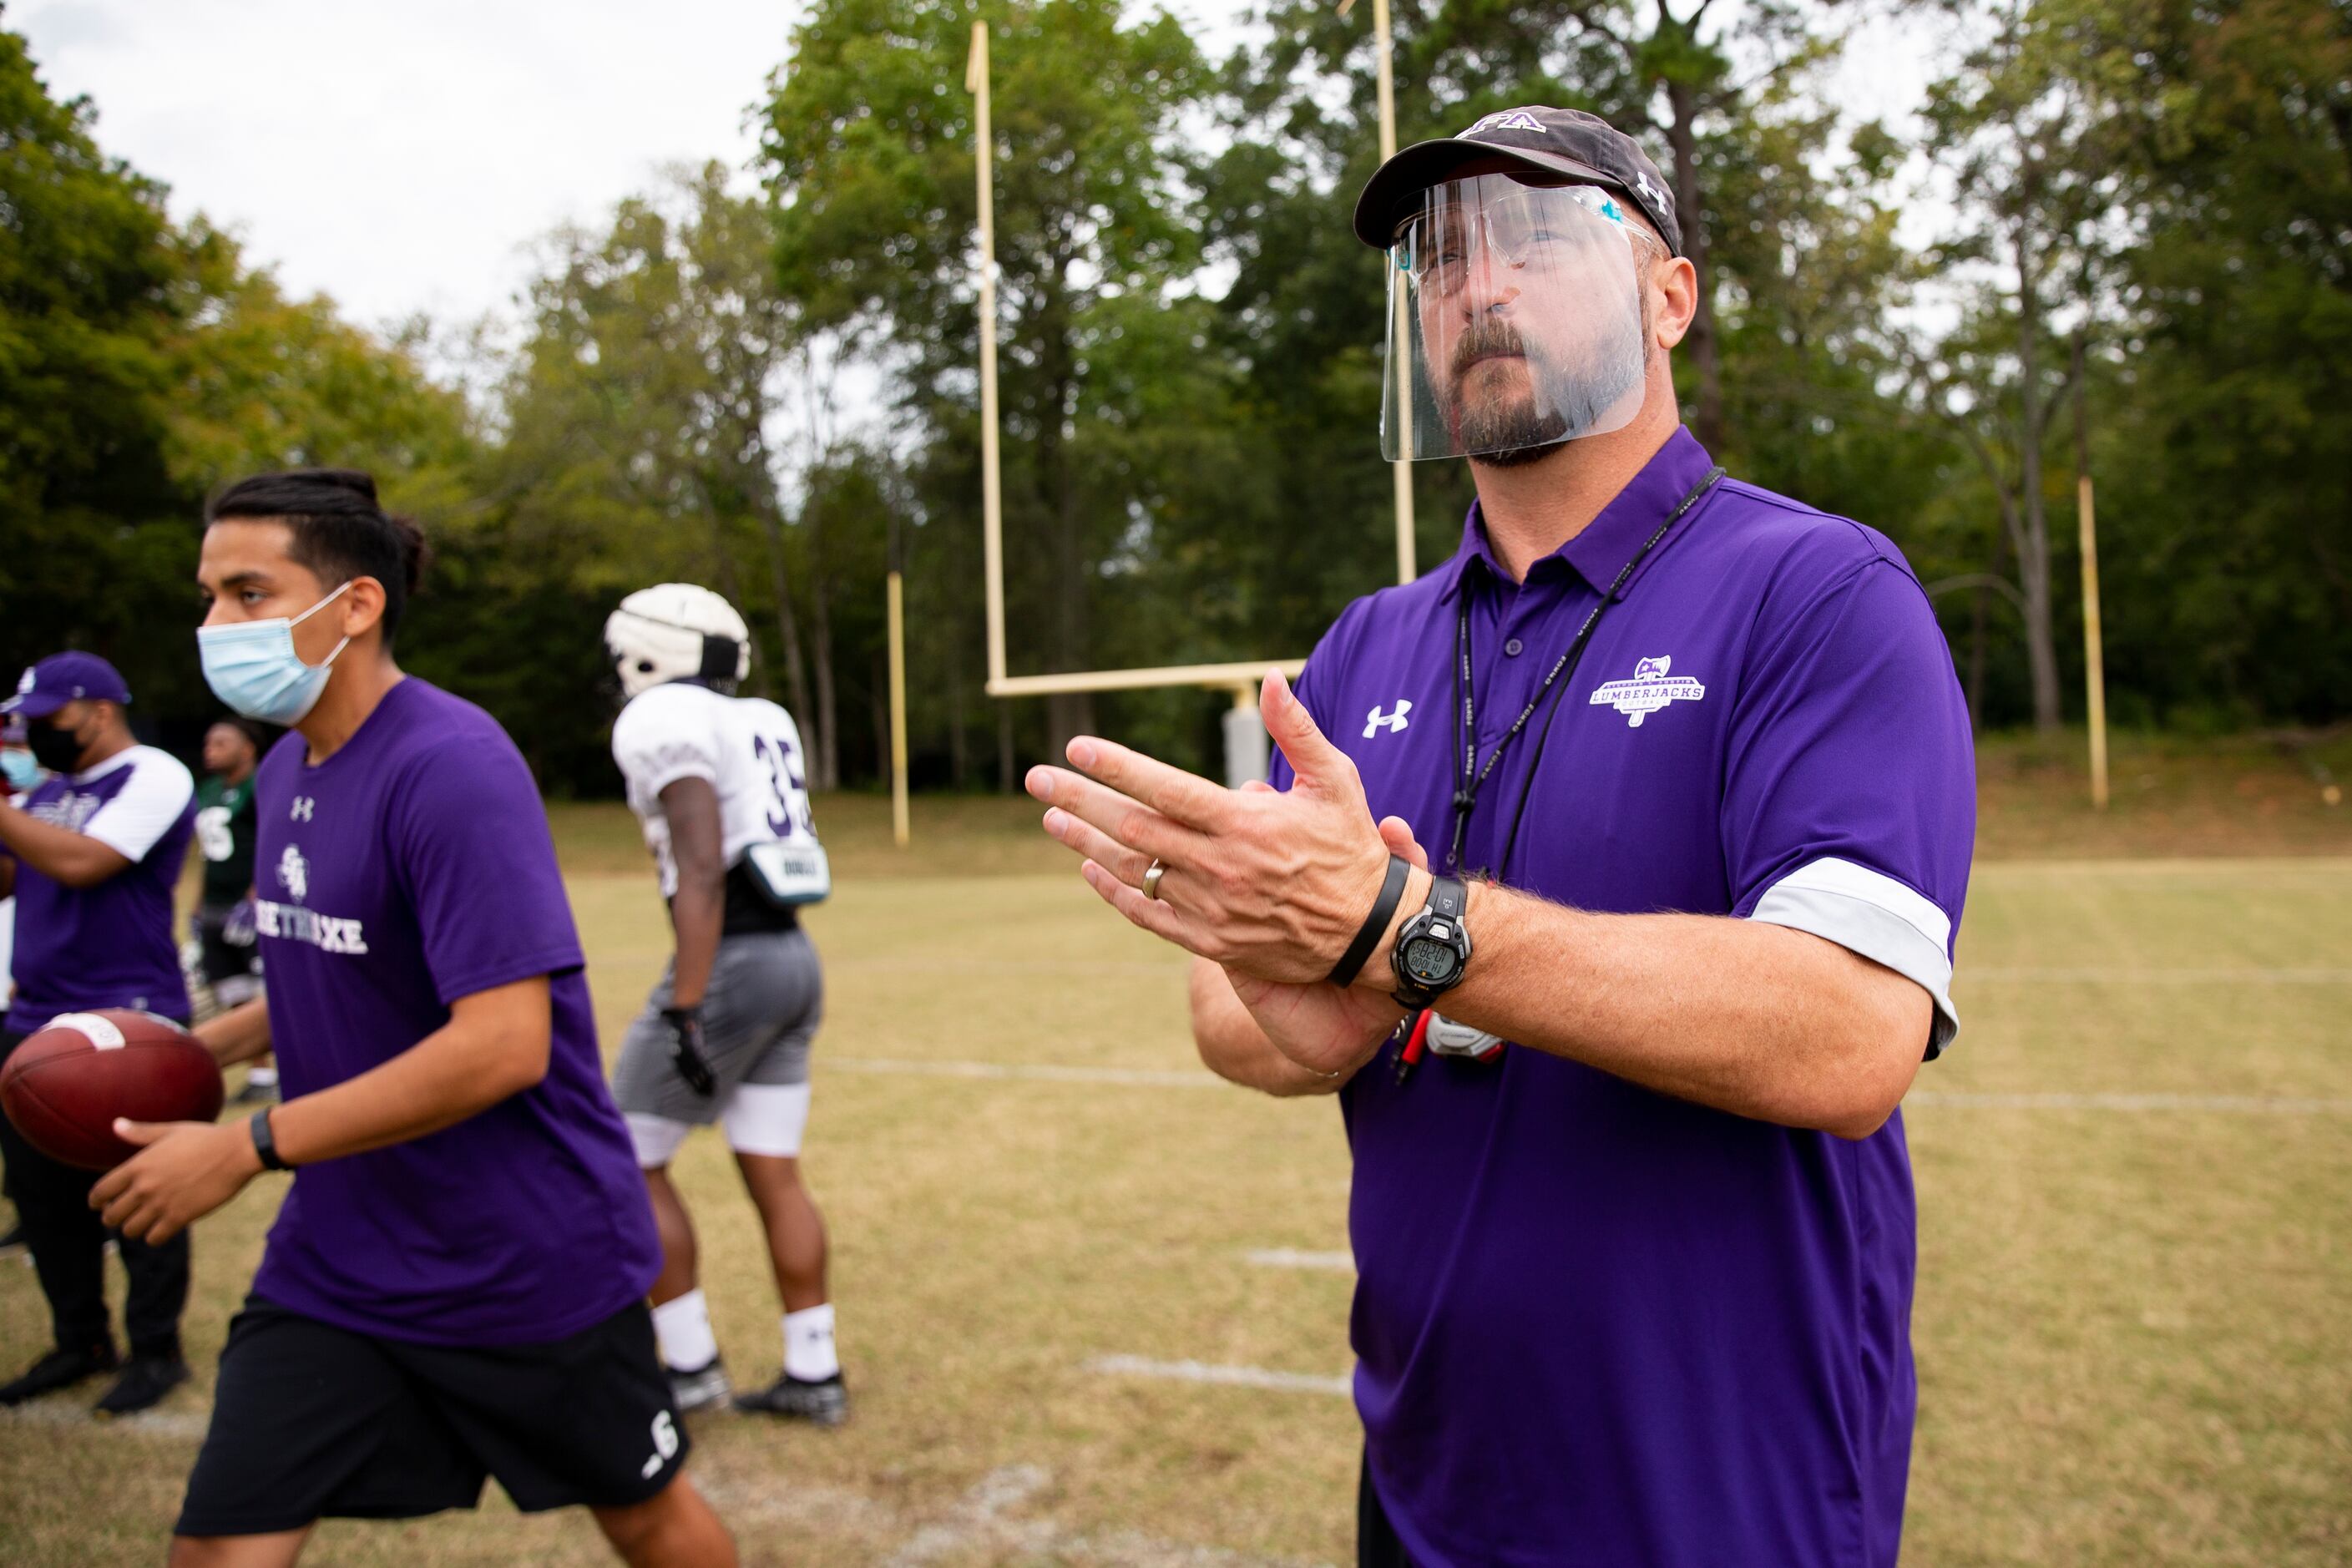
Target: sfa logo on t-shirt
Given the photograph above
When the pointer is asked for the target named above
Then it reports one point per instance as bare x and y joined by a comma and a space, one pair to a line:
290, 922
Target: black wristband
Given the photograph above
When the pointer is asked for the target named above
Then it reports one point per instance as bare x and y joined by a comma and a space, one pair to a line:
265, 1144
1351, 963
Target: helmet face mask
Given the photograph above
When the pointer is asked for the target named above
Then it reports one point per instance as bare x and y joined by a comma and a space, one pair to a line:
676, 631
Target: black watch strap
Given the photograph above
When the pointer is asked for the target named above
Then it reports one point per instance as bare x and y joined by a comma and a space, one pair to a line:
265, 1143
1351, 963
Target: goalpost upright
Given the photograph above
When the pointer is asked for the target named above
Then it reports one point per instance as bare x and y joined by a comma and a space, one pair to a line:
1244, 731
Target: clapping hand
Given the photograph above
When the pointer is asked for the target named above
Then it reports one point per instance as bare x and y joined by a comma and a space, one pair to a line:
1270, 885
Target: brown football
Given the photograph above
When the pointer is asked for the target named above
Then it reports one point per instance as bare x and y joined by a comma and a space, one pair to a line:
66, 1083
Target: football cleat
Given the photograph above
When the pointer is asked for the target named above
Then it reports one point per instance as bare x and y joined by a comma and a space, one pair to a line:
826, 1404
145, 1380
58, 1369
698, 1389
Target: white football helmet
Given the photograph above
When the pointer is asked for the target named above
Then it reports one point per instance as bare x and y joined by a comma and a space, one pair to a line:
676, 631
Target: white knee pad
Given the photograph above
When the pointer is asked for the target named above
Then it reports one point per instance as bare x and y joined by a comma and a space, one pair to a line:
767, 1119
657, 1138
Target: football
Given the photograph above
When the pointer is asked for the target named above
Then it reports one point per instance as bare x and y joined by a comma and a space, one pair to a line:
64, 1085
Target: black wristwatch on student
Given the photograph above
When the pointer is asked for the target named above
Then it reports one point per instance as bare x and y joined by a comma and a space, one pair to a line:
265, 1143
1433, 949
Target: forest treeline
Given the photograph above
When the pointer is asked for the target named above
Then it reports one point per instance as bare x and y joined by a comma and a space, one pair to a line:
2118, 235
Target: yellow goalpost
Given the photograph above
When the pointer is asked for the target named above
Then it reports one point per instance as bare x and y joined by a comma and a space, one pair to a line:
1243, 757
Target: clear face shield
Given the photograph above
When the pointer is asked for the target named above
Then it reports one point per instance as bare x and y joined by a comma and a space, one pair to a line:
1515, 319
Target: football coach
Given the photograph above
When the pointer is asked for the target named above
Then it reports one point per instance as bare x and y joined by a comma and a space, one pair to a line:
1609, 876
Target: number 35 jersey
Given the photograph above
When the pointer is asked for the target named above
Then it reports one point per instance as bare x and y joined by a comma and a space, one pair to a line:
746, 747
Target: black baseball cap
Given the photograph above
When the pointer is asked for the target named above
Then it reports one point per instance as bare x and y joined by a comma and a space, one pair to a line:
1542, 141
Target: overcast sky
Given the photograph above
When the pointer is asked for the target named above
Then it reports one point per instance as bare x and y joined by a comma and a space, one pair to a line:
403, 158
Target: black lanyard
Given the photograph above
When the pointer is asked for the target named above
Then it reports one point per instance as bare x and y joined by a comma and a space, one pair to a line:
1473, 778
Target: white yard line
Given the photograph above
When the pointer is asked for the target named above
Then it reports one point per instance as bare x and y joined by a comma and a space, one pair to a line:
1288, 1257
2211, 977
989, 1518
1042, 1071
2243, 1104
1935, 1099
1232, 1376
991, 1522
58, 1410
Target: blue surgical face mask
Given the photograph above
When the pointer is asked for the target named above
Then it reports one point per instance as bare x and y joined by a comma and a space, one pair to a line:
17, 764
252, 667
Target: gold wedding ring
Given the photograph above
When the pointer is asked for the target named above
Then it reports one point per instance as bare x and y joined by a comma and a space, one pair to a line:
1151, 879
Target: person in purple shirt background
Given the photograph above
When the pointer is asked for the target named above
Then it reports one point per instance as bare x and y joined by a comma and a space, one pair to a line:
92, 857
455, 1287
1609, 875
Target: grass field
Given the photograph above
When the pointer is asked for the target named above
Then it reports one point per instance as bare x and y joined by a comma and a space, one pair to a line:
2136, 1191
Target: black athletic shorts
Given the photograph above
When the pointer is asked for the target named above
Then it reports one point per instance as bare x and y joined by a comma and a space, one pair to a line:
1377, 1542
311, 1421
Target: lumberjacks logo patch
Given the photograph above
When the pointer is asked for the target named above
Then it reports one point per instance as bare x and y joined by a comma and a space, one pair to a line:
1650, 689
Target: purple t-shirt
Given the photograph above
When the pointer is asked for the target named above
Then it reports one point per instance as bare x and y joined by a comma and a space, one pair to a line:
108, 945
1595, 1324
410, 869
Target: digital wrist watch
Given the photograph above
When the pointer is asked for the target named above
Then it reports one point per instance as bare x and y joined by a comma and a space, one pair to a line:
1434, 948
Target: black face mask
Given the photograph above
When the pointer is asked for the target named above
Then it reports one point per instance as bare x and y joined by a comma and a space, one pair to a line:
57, 749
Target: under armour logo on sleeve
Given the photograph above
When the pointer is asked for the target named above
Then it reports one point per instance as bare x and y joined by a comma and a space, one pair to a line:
1377, 721
304, 805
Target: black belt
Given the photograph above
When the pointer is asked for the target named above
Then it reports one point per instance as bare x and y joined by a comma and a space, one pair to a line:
748, 911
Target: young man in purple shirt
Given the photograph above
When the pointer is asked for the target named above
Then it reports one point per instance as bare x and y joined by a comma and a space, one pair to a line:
454, 1284
1609, 877
93, 856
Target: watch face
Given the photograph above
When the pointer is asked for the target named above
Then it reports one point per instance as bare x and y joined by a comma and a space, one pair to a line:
1431, 963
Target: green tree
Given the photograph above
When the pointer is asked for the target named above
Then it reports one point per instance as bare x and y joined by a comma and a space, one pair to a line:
2028, 149
2223, 404
636, 417
140, 365
90, 286
867, 152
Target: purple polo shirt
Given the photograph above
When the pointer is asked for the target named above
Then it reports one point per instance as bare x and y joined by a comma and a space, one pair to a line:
408, 870
108, 945
1597, 1325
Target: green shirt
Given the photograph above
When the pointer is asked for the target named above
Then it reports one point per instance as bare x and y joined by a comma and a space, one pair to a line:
225, 835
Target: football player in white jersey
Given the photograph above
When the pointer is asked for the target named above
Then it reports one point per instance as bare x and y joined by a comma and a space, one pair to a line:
720, 784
